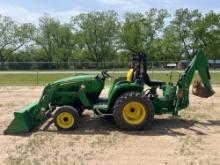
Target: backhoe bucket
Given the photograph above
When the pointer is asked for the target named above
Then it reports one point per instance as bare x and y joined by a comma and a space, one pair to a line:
201, 91
23, 120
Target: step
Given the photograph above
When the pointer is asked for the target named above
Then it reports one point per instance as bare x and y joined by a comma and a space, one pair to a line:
101, 107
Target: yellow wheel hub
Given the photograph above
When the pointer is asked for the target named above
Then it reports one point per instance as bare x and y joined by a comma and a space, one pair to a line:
134, 113
65, 120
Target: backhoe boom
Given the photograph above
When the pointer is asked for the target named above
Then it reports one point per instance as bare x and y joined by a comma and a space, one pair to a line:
200, 64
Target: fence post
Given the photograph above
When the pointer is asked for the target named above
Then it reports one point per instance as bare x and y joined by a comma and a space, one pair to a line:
113, 73
37, 73
152, 70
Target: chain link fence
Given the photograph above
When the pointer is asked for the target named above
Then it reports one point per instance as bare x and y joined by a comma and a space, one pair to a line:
41, 73
53, 66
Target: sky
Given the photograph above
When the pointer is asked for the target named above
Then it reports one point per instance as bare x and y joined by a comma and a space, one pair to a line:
30, 10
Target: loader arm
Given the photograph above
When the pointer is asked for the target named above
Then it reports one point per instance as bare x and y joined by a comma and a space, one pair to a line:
200, 64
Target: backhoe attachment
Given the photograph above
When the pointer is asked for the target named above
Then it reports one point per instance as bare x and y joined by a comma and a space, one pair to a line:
201, 91
201, 88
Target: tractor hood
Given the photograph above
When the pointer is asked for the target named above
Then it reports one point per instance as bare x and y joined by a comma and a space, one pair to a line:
91, 84
78, 78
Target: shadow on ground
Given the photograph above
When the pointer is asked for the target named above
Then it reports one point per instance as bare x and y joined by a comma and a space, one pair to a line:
170, 126
162, 126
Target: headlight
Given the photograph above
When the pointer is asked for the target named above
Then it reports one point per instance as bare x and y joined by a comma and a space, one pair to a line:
82, 86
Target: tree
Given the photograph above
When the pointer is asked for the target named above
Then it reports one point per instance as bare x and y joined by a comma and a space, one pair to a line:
56, 39
100, 36
65, 42
172, 48
183, 26
13, 36
207, 30
97, 34
44, 36
189, 31
140, 30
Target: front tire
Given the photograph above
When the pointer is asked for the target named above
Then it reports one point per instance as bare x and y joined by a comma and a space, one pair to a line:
66, 118
133, 111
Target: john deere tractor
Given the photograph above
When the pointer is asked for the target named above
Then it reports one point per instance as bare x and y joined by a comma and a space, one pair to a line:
128, 102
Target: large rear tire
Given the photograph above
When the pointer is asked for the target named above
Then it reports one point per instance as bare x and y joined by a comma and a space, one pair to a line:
133, 111
66, 118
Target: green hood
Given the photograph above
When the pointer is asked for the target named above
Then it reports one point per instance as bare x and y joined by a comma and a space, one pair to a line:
78, 78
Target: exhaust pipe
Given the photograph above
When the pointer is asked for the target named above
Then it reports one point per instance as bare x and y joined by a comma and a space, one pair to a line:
201, 91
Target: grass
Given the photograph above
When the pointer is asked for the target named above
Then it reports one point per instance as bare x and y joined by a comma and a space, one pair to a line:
34, 78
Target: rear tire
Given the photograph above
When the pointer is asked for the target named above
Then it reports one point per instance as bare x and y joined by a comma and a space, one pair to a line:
66, 118
133, 111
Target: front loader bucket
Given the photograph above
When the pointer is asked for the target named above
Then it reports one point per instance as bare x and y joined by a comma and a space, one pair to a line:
23, 120
201, 91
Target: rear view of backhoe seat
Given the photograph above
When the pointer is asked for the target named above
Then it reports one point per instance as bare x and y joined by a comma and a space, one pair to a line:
150, 82
139, 71
130, 75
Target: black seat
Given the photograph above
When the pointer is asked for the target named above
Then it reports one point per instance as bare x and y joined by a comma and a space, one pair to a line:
150, 82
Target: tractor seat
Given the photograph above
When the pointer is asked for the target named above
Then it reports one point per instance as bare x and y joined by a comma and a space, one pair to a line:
146, 77
155, 83
130, 75
150, 82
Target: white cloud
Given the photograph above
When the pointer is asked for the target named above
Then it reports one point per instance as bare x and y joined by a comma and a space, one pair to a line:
171, 5
64, 16
22, 15
115, 2
123, 6
18, 13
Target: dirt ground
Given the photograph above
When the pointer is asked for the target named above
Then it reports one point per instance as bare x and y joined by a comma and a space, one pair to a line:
192, 138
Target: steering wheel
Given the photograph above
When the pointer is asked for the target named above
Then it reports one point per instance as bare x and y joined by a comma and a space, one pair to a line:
105, 74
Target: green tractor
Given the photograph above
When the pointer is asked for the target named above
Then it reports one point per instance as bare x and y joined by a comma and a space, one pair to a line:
128, 102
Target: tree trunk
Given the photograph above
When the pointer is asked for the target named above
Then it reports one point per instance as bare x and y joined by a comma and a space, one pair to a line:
97, 64
1, 60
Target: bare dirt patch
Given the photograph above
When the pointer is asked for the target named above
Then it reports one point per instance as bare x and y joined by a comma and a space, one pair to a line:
192, 138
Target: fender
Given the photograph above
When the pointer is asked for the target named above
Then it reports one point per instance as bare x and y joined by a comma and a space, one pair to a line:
122, 87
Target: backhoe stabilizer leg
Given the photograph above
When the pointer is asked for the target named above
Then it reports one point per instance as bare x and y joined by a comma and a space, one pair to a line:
176, 109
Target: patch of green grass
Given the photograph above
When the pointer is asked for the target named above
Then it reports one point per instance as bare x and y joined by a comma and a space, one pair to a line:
30, 78
34, 78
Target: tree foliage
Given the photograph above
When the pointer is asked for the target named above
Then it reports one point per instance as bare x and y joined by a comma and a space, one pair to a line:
140, 32
97, 34
102, 36
13, 36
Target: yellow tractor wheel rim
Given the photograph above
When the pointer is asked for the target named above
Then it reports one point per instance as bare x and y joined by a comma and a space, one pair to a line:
134, 113
65, 120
